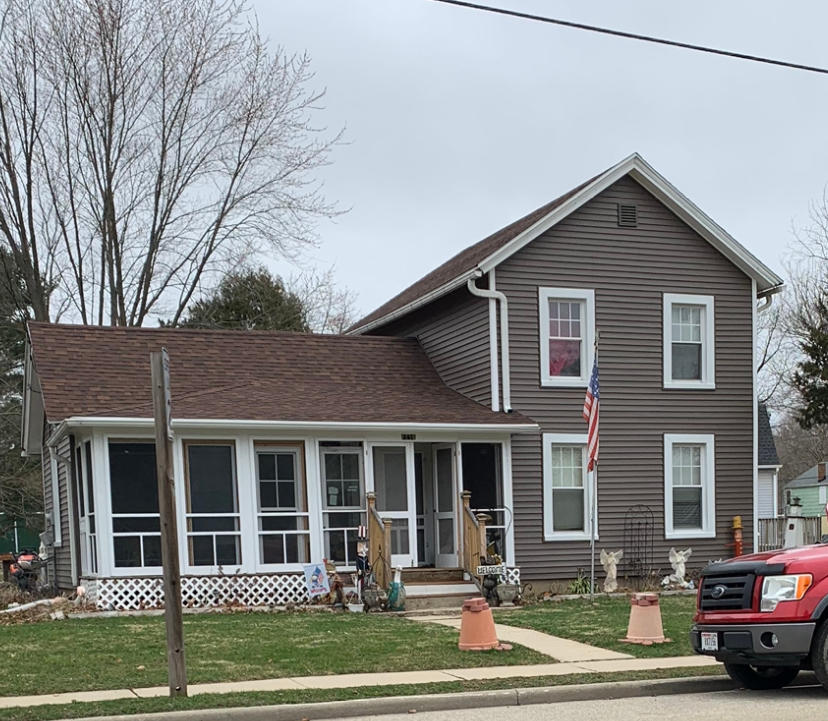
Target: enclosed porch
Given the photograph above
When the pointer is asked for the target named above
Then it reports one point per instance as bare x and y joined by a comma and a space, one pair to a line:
253, 508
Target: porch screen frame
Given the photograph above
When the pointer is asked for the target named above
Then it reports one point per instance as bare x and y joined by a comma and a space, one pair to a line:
326, 509
301, 499
187, 515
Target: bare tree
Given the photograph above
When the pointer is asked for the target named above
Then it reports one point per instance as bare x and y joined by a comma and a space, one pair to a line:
328, 307
145, 146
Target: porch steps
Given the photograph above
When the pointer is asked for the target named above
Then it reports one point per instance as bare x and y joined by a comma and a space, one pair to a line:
431, 588
432, 575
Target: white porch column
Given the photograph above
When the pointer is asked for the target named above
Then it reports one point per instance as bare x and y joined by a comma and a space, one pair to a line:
314, 483
508, 500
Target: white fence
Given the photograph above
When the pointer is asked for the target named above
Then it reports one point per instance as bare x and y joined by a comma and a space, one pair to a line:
772, 531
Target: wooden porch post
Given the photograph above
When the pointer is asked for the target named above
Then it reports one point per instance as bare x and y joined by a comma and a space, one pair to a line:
482, 520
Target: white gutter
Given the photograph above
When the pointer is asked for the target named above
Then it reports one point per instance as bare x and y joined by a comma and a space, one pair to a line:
504, 334
253, 425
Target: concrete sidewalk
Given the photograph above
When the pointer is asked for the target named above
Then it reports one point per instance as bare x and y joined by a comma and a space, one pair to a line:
372, 679
561, 649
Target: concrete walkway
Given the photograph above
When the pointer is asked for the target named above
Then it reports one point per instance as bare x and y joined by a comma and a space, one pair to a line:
561, 649
371, 679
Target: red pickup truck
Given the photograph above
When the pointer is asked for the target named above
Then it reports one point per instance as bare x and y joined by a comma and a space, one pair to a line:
765, 616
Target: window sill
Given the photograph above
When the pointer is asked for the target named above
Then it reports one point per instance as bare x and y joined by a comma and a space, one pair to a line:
567, 537
689, 386
678, 535
564, 382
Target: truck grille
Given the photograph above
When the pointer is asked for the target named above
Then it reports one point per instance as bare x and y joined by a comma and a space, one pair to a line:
737, 594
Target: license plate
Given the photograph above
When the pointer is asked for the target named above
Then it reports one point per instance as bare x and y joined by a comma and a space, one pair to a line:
709, 641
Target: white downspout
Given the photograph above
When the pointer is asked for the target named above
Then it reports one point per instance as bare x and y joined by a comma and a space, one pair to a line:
504, 334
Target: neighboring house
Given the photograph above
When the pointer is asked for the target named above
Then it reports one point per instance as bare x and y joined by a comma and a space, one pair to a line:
472, 380
769, 465
811, 487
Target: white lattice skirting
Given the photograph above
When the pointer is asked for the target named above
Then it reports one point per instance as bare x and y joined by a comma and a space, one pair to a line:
130, 594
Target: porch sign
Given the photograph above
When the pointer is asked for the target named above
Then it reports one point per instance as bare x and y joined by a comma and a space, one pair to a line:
316, 578
492, 570
161, 406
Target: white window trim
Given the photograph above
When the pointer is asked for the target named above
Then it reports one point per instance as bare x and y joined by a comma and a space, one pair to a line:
708, 381
583, 294
549, 534
708, 529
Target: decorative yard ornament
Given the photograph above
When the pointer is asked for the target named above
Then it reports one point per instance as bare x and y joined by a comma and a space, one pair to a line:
678, 560
609, 560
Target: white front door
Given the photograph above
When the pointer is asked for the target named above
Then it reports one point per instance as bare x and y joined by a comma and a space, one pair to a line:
445, 504
392, 470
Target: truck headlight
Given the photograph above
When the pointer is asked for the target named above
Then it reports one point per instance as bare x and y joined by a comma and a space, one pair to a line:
784, 588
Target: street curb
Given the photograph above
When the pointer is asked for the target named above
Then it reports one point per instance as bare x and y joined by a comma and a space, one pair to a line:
443, 702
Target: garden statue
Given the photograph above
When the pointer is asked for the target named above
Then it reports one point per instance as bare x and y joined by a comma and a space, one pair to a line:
678, 559
609, 560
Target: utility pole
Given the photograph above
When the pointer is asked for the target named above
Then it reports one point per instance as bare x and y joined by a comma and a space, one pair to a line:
162, 410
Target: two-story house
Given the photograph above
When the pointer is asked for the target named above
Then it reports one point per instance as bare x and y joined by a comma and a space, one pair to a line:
461, 396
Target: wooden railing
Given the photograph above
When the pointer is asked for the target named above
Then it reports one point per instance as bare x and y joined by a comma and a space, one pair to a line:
772, 531
379, 543
474, 537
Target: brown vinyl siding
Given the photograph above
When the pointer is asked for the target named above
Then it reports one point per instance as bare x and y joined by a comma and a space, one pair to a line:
629, 269
61, 567
454, 332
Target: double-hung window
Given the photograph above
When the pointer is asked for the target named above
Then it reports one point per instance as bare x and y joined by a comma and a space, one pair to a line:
133, 486
213, 532
689, 341
689, 486
283, 518
567, 333
566, 489
343, 500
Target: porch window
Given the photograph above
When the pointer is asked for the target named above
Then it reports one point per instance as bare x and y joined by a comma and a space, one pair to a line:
567, 329
689, 486
342, 502
136, 525
566, 491
84, 493
284, 533
213, 537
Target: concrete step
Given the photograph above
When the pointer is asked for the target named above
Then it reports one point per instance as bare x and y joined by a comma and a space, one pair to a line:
438, 594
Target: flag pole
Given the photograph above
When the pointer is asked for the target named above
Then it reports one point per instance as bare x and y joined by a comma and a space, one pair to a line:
593, 481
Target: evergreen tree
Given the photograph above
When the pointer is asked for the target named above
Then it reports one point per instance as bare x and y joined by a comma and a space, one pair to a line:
811, 377
21, 494
251, 300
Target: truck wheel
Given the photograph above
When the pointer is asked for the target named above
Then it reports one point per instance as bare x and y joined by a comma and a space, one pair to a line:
819, 654
761, 677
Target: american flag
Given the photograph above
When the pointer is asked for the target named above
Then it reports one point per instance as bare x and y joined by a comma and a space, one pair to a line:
591, 403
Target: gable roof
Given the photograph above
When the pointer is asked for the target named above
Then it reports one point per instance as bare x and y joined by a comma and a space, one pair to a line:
488, 253
104, 372
812, 477
767, 447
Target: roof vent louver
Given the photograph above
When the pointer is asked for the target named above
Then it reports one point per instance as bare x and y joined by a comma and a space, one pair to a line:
627, 216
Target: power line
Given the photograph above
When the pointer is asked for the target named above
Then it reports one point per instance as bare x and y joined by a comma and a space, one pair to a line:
632, 36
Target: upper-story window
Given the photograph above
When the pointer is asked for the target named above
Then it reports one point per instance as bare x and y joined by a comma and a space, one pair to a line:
689, 352
567, 332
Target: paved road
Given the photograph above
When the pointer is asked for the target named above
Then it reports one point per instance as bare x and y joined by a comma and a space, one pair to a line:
793, 704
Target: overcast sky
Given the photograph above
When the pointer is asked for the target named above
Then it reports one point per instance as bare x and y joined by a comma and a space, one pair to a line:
459, 122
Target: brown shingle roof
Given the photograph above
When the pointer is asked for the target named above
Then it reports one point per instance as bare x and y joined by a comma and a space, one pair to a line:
247, 375
468, 259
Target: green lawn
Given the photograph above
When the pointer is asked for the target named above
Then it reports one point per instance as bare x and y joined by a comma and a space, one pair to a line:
237, 700
605, 622
106, 653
